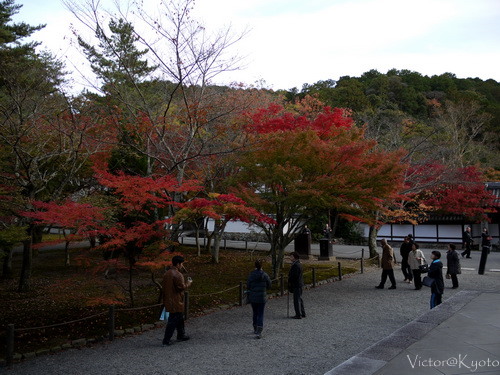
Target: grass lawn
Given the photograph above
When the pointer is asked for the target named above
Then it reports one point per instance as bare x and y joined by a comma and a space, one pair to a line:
62, 294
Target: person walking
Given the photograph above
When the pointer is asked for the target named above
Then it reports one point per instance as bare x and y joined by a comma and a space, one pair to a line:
467, 242
387, 265
257, 284
415, 259
453, 265
436, 273
173, 299
404, 251
295, 285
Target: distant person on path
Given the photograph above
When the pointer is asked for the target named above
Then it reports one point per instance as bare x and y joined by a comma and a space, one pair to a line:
453, 265
327, 232
404, 250
173, 300
415, 259
436, 273
257, 284
387, 265
295, 285
467, 242
410, 238
486, 240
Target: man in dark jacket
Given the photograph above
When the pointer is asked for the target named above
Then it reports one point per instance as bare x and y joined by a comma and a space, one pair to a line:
436, 273
295, 285
257, 284
405, 249
453, 265
173, 300
467, 242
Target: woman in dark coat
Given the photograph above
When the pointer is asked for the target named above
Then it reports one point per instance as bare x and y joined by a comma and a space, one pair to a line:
485, 240
257, 284
453, 264
436, 273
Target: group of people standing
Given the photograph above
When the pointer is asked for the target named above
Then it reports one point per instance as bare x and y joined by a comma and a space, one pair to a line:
258, 282
414, 264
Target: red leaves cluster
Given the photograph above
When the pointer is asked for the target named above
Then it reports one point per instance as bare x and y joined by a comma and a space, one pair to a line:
83, 219
463, 194
226, 207
276, 119
143, 194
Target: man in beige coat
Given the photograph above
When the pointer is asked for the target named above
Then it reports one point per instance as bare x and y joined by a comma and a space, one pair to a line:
173, 300
387, 265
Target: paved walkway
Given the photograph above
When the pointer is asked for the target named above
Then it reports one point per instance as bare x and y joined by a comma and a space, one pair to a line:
461, 336
347, 320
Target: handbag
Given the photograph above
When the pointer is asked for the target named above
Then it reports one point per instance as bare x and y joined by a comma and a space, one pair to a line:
423, 268
246, 297
428, 281
164, 314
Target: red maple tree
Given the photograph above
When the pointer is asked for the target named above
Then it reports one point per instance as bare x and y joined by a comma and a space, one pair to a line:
307, 162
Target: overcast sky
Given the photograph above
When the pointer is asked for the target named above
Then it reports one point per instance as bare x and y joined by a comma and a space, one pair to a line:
292, 42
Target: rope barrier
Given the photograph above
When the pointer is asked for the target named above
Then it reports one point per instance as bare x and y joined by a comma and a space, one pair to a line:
211, 294
140, 308
60, 324
351, 252
157, 305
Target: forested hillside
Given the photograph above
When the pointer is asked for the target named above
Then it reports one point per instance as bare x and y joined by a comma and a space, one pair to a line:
401, 107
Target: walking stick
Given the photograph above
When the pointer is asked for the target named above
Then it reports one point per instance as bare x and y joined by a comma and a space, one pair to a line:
288, 305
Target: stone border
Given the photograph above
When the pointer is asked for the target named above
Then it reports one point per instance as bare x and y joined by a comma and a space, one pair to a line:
80, 343
379, 354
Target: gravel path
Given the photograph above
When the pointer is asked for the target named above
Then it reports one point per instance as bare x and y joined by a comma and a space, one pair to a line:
343, 319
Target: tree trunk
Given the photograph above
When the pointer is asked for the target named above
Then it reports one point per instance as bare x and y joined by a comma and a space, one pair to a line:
219, 227
93, 242
130, 278
66, 254
197, 238
215, 249
335, 224
208, 237
7, 263
274, 261
372, 241
24, 279
37, 236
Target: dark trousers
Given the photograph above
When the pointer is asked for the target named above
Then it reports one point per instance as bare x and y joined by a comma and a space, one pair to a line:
258, 314
298, 304
175, 322
436, 299
467, 250
417, 279
386, 273
405, 267
454, 280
